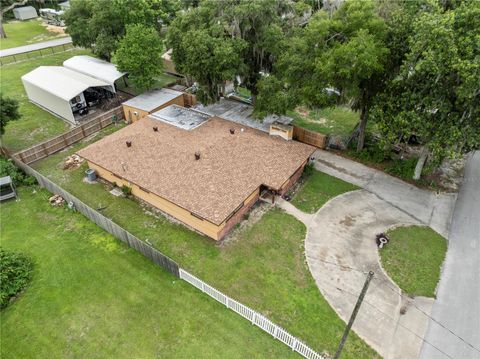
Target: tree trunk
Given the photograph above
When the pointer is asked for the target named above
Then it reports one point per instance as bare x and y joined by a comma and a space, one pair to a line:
3, 35
361, 128
420, 163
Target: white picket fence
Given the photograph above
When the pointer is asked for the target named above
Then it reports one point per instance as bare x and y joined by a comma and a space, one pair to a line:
255, 318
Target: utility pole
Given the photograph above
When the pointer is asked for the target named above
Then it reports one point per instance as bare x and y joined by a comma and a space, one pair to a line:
354, 314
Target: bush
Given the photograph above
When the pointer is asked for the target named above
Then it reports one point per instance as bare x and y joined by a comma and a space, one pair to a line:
402, 168
8, 168
15, 273
127, 191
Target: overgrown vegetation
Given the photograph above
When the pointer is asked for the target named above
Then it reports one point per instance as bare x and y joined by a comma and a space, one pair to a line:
413, 259
15, 273
8, 168
316, 188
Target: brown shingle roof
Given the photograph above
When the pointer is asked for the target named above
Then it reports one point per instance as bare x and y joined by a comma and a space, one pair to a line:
230, 169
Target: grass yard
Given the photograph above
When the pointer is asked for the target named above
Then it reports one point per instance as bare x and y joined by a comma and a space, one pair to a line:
339, 120
264, 268
413, 259
93, 297
36, 125
316, 189
21, 33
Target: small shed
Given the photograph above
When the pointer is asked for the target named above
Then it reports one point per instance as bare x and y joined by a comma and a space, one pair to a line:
279, 129
150, 102
63, 92
25, 13
96, 68
7, 189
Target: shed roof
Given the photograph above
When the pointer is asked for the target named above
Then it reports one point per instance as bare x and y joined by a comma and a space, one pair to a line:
5, 180
25, 10
60, 81
151, 100
91, 66
231, 167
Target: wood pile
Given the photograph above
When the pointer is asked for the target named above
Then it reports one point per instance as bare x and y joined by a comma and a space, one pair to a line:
72, 161
56, 200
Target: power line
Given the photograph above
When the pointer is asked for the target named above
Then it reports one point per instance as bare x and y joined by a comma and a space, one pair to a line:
397, 322
401, 294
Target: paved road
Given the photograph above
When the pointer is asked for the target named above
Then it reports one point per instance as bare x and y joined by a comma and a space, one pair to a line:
429, 208
34, 47
458, 298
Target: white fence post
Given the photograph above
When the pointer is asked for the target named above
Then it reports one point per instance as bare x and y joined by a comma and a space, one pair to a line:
253, 317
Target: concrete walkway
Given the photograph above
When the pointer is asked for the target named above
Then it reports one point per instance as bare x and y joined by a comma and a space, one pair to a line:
458, 299
427, 207
303, 217
34, 47
340, 249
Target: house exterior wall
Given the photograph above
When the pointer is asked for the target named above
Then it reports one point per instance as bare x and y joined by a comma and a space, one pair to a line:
202, 226
56, 105
293, 179
237, 217
131, 117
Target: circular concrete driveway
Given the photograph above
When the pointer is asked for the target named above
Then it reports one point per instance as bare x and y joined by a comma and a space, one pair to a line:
340, 249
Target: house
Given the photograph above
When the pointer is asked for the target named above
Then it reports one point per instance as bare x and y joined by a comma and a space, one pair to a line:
205, 171
25, 13
63, 92
96, 68
150, 102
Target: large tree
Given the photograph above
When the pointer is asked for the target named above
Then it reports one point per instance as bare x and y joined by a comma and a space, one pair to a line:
8, 112
139, 54
436, 94
249, 32
100, 24
6, 6
346, 51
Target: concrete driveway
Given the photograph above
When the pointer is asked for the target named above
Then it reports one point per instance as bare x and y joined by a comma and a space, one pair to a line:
340, 249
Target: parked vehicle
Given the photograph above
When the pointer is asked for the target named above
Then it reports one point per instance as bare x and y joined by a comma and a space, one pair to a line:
52, 16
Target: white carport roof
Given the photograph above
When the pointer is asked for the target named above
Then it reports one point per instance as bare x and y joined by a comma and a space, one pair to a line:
94, 67
61, 82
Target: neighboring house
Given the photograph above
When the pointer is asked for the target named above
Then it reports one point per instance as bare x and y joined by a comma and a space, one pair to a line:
96, 68
64, 92
204, 171
25, 13
150, 102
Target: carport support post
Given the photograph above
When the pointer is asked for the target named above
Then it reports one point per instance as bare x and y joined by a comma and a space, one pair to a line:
354, 314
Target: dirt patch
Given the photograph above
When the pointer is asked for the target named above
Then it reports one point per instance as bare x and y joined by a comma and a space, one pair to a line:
303, 111
52, 28
348, 221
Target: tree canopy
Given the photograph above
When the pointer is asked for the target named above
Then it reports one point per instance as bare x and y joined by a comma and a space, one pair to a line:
139, 54
101, 24
436, 93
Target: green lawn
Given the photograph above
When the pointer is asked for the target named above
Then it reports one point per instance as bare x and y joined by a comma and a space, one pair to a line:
162, 81
338, 120
36, 125
413, 259
316, 189
93, 297
264, 268
21, 33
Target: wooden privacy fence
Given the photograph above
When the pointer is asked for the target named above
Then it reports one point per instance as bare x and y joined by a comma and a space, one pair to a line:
68, 138
171, 266
103, 222
254, 317
310, 137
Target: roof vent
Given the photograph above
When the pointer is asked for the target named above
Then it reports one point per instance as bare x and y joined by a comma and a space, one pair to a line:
155, 129
197, 155
232, 131
129, 143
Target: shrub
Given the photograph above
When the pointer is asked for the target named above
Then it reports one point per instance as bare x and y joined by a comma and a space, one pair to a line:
8, 168
127, 191
15, 273
402, 168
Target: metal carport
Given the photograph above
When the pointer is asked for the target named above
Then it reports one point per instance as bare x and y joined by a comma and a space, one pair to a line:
59, 90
